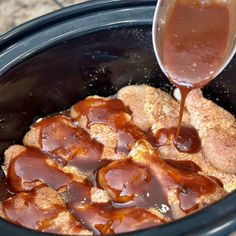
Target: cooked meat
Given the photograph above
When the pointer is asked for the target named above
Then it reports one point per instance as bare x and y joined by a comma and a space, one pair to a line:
42, 209
160, 110
186, 189
99, 195
130, 183
10, 154
228, 180
29, 167
134, 97
109, 122
206, 115
108, 220
72, 146
151, 108
98, 130
102, 166
220, 149
101, 216
83, 193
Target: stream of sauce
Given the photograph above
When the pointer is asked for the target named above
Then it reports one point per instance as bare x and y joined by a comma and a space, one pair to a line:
195, 41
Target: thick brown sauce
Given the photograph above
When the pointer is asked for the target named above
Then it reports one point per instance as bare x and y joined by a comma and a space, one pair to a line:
116, 115
188, 140
30, 169
195, 42
68, 145
182, 177
104, 218
131, 184
26, 212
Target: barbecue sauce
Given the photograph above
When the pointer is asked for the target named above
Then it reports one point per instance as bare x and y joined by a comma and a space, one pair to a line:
30, 169
195, 42
188, 140
114, 114
69, 145
104, 218
22, 209
133, 185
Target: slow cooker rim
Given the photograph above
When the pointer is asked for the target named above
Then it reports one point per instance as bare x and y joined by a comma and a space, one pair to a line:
66, 13
202, 216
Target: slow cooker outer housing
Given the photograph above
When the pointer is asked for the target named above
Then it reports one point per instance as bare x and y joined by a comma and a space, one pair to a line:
97, 47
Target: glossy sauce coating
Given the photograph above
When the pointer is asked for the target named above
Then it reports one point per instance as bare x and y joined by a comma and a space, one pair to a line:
27, 212
188, 140
132, 184
71, 146
104, 218
183, 177
115, 114
30, 169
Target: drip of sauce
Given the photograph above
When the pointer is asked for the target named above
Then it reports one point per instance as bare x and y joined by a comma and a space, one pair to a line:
69, 145
114, 114
30, 169
195, 42
131, 184
104, 218
188, 140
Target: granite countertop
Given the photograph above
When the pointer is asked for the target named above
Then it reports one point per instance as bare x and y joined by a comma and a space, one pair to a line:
16, 12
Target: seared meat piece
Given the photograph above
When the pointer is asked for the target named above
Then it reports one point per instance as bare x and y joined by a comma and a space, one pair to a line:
151, 107
134, 97
186, 189
28, 167
109, 122
42, 209
134, 184
70, 146
206, 115
170, 152
102, 217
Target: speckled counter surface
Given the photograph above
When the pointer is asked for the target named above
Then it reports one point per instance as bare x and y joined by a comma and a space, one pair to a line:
15, 12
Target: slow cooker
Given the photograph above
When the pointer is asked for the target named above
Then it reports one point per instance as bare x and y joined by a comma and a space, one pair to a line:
97, 47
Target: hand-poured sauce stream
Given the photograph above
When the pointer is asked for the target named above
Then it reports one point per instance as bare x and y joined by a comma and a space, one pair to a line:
195, 40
